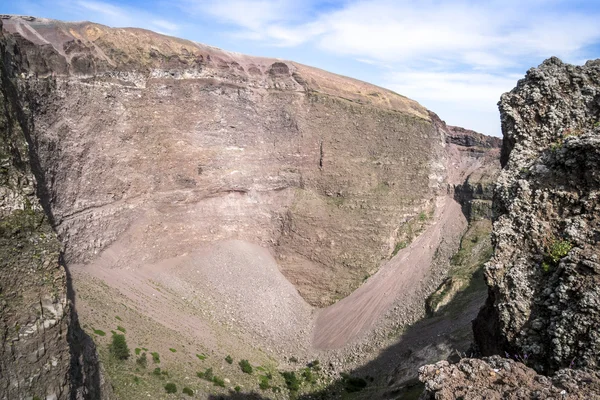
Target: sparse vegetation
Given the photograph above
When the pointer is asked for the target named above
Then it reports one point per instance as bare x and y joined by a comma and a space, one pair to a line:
201, 357
142, 361
229, 359
399, 246
188, 391
120, 328
245, 366
208, 374
99, 332
556, 250
291, 381
237, 389
264, 383
172, 350
171, 387
218, 381
119, 318
137, 351
155, 357
156, 371
118, 347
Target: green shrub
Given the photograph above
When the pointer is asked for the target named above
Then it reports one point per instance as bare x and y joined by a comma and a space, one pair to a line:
308, 376
156, 371
120, 328
118, 347
171, 388
137, 351
264, 383
218, 381
99, 332
173, 350
188, 391
245, 366
237, 389
229, 359
291, 381
142, 361
155, 357
422, 216
293, 359
119, 318
208, 374
556, 250
201, 357
315, 365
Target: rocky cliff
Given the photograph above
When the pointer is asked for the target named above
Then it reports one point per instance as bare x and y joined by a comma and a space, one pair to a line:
44, 353
543, 304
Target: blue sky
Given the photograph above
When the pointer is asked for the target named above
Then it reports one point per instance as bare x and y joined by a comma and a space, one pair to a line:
456, 57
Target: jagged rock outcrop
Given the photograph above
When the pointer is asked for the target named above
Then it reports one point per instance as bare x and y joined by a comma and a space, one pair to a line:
501, 378
544, 296
44, 353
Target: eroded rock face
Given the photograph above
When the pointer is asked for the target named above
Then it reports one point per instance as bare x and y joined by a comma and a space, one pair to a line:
206, 145
545, 274
43, 350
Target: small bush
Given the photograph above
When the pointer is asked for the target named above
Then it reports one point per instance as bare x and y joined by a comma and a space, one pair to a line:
142, 361
118, 347
293, 359
201, 357
308, 376
188, 391
137, 351
155, 357
218, 381
99, 332
120, 328
173, 350
315, 365
156, 371
171, 387
237, 389
422, 216
291, 381
229, 360
208, 374
554, 252
119, 318
245, 366
264, 383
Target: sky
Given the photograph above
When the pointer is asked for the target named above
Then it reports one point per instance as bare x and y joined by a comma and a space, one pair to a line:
455, 57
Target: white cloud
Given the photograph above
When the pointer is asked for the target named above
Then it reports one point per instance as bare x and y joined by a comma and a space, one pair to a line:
120, 16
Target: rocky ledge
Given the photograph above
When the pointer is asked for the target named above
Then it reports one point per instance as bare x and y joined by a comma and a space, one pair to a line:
544, 297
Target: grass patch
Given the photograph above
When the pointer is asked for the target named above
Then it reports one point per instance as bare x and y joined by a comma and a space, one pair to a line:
291, 381
188, 391
119, 318
201, 357
399, 246
137, 351
229, 359
120, 328
99, 332
155, 357
172, 350
218, 381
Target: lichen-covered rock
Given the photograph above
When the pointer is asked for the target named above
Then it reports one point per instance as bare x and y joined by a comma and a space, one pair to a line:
499, 378
544, 278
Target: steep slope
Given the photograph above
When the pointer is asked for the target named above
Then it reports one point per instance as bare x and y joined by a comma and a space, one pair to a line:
543, 279
44, 353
